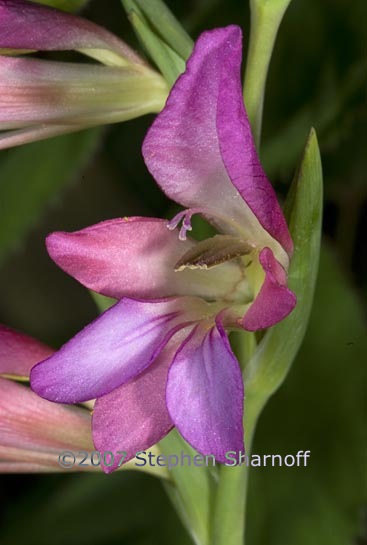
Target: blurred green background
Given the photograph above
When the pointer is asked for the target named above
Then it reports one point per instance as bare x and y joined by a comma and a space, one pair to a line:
317, 77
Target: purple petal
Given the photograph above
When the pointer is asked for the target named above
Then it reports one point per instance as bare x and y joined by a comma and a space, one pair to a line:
30, 423
110, 351
134, 417
205, 394
18, 352
274, 301
200, 148
136, 257
28, 25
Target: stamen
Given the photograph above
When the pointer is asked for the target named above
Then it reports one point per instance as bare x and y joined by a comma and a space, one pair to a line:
185, 216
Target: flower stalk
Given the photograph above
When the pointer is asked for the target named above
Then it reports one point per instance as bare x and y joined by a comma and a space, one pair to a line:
275, 354
266, 16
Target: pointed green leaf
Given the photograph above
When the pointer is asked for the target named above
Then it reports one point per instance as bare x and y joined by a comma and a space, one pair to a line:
275, 354
319, 408
167, 26
168, 61
32, 176
190, 492
273, 357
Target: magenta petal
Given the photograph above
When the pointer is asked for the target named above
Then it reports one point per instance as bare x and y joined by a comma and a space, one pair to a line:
18, 352
181, 149
200, 148
136, 257
239, 154
205, 394
113, 349
274, 301
134, 417
28, 25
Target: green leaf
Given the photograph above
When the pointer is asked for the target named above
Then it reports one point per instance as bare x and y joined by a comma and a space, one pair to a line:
319, 408
167, 26
271, 362
168, 61
191, 490
273, 357
32, 176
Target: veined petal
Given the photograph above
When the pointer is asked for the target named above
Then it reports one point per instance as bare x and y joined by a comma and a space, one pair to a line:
134, 417
36, 427
201, 151
205, 393
18, 352
136, 257
28, 25
112, 350
36, 91
274, 301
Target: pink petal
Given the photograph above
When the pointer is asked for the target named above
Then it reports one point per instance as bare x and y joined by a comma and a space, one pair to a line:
135, 257
274, 301
28, 25
36, 427
110, 351
200, 148
205, 394
18, 352
134, 417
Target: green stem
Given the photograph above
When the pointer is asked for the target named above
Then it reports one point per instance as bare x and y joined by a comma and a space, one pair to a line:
266, 16
272, 358
230, 502
231, 494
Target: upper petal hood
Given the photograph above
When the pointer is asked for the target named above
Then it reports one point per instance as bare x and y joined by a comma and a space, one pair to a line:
19, 352
136, 257
201, 151
28, 25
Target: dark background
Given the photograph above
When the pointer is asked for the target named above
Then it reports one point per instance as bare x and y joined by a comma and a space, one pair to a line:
317, 77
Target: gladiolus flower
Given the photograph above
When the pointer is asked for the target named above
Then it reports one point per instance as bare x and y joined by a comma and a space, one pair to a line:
160, 357
41, 98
